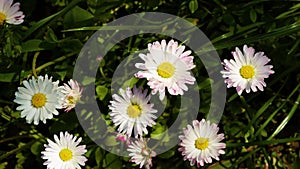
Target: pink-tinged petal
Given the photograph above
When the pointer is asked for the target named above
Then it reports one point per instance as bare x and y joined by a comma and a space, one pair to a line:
205, 130
14, 9
129, 123
7, 5
72, 94
140, 153
11, 11
239, 90
166, 52
249, 54
257, 61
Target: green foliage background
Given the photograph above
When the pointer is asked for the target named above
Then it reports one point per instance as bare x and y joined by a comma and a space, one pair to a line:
261, 128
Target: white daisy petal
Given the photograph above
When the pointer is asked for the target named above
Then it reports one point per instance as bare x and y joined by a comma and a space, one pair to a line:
10, 13
247, 71
36, 102
166, 66
140, 153
72, 94
198, 144
131, 111
64, 152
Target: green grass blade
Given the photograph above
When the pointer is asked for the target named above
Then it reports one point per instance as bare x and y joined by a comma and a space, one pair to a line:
265, 107
44, 21
263, 142
286, 119
279, 32
274, 113
250, 28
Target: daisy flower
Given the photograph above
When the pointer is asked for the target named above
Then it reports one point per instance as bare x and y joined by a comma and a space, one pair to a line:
200, 143
39, 99
72, 94
64, 153
140, 153
166, 66
10, 13
131, 111
247, 71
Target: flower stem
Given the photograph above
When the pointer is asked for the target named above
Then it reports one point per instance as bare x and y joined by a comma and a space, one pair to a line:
14, 138
34, 64
54, 61
14, 151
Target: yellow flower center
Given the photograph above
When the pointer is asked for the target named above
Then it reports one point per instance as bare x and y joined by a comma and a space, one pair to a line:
247, 72
65, 154
201, 143
71, 99
2, 18
134, 111
38, 100
165, 70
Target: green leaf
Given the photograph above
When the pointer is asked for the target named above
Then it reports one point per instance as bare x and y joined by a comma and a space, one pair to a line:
36, 45
44, 21
253, 15
7, 77
158, 132
112, 161
249, 133
98, 156
16, 115
111, 141
264, 133
62, 74
32, 45
3, 165
167, 154
21, 159
77, 15
229, 19
131, 82
70, 45
36, 148
88, 80
50, 36
205, 83
193, 5
101, 92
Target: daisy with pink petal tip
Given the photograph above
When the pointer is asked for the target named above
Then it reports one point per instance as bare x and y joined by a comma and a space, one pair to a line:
247, 71
140, 153
72, 93
10, 13
166, 66
131, 111
200, 143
